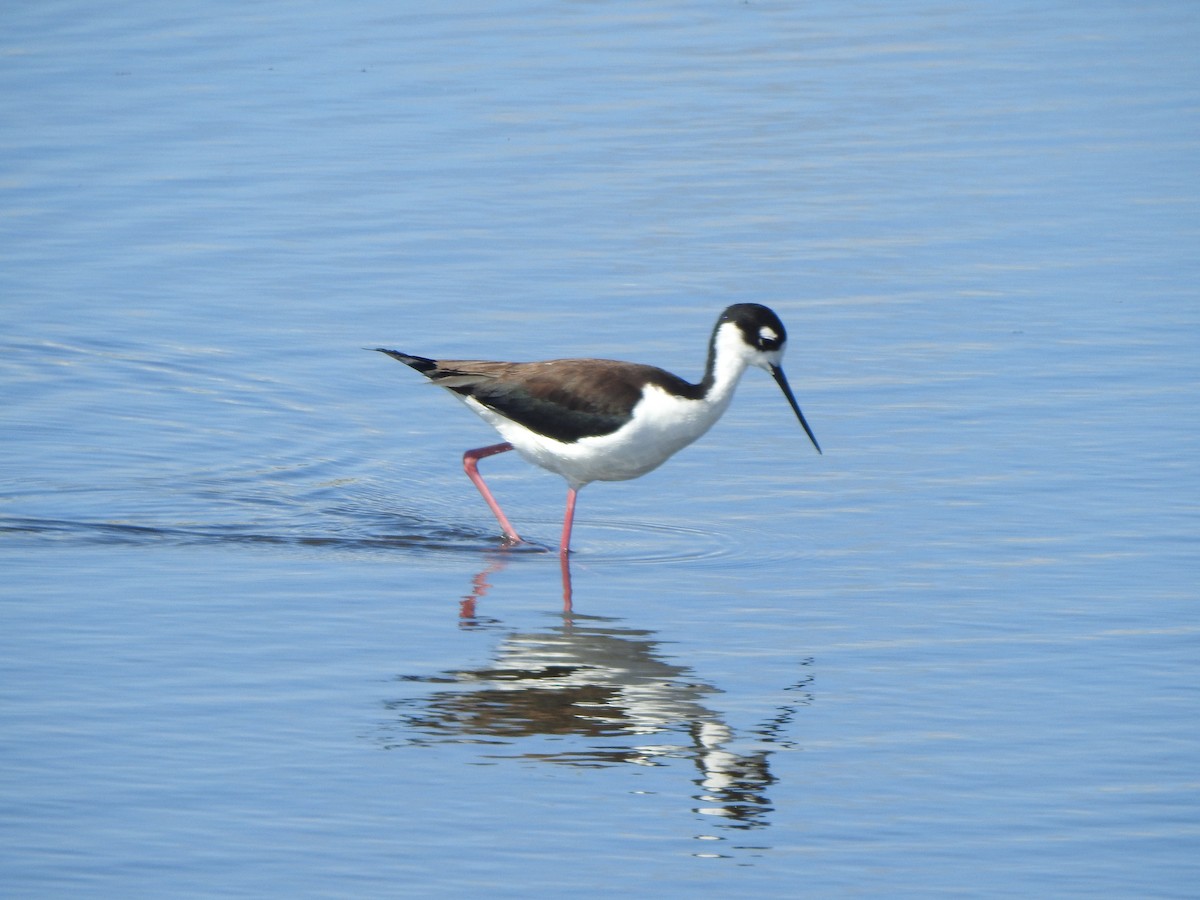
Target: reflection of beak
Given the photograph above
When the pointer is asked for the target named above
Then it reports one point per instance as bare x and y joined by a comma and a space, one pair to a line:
781, 380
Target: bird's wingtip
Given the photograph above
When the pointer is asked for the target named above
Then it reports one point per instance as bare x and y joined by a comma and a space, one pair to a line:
420, 363
394, 354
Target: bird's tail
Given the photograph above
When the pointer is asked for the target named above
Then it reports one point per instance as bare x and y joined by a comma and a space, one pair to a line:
420, 363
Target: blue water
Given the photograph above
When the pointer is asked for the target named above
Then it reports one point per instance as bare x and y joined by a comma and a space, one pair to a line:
258, 633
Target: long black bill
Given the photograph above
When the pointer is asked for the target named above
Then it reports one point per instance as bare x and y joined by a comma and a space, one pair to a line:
781, 380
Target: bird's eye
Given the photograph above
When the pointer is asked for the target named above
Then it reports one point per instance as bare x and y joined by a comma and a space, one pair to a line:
767, 336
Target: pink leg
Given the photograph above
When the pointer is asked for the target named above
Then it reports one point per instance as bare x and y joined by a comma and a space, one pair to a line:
568, 521
471, 465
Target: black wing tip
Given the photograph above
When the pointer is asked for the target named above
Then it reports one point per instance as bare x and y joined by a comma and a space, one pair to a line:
420, 363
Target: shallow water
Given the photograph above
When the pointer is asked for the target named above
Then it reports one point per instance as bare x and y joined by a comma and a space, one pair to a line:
258, 634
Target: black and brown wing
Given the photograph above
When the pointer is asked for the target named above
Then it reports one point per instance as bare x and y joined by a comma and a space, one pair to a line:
565, 399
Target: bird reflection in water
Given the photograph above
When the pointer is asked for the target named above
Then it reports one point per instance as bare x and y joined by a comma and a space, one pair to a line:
591, 693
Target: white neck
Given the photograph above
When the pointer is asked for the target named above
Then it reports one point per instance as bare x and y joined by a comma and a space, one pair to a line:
728, 361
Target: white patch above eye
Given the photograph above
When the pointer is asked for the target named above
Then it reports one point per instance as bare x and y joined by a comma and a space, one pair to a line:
767, 333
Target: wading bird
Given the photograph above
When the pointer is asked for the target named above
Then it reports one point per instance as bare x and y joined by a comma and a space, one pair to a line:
602, 420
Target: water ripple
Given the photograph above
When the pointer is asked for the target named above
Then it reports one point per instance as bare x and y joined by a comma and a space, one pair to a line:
417, 537
348, 528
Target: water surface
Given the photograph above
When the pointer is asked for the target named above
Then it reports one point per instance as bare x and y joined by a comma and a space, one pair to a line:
258, 634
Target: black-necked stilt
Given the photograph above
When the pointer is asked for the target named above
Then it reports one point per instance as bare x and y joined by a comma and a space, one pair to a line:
603, 420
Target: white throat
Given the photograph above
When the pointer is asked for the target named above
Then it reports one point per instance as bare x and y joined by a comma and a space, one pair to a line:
731, 356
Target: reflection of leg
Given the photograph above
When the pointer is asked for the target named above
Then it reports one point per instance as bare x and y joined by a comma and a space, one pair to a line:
568, 521
471, 465
480, 586
565, 561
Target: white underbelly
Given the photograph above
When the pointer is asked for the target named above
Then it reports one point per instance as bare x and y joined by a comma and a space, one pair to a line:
662, 425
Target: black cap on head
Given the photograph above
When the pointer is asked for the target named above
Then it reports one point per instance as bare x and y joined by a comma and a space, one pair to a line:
759, 325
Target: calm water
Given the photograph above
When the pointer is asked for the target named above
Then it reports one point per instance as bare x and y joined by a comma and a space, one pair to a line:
258, 636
